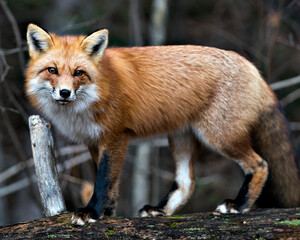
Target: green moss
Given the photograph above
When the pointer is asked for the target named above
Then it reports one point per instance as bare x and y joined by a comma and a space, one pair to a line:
58, 221
150, 226
194, 229
225, 220
174, 224
52, 236
290, 223
223, 227
59, 236
176, 217
106, 236
68, 226
262, 229
110, 231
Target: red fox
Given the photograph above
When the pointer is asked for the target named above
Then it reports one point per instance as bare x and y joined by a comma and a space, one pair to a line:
105, 96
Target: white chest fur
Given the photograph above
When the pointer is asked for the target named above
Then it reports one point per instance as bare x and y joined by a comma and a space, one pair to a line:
74, 120
79, 127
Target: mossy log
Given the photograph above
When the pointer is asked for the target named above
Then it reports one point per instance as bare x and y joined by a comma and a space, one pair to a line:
259, 224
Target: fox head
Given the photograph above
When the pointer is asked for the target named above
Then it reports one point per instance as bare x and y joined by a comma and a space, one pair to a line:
63, 71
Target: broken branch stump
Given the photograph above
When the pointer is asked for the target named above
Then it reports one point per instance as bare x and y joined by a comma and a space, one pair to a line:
45, 167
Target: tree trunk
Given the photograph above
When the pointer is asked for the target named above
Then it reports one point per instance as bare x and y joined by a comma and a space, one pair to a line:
3, 166
140, 178
135, 28
157, 33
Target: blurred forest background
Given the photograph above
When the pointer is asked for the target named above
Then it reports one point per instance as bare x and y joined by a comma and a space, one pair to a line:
265, 32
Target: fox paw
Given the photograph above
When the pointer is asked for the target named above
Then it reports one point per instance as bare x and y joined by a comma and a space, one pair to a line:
84, 215
150, 211
230, 206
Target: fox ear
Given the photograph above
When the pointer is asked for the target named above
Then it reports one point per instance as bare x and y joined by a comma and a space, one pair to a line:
39, 41
95, 44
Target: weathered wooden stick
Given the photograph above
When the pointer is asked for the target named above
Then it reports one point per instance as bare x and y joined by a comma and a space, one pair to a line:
44, 161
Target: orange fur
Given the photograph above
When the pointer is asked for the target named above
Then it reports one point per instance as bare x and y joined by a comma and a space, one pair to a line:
216, 95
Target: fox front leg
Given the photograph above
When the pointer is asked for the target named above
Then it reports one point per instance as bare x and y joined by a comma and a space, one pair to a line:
106, 185
95, 207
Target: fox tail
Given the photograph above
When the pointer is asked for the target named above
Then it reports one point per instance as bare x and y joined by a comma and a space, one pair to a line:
272, 141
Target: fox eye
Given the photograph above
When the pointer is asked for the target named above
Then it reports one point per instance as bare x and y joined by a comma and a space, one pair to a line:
52, 70
78, 73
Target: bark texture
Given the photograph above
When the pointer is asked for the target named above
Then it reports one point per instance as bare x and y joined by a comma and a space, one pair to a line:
44, 161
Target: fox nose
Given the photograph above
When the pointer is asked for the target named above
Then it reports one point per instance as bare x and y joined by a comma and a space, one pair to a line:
65, 93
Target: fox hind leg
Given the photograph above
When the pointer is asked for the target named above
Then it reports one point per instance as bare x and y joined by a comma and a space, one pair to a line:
255, 178
254, 167
183, 147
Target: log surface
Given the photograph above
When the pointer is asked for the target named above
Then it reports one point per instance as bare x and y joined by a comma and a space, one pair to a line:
259, 224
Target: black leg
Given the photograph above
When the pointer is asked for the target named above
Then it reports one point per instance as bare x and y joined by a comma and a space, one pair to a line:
96, 205
240, 203
158, 210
